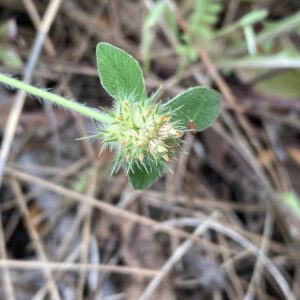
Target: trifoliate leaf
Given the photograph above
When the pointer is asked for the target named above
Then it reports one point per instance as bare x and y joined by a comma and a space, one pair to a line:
198, 104
120, 74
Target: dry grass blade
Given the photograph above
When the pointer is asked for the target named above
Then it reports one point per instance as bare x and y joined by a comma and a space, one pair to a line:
108, 208
269, 265
86, 230
41, 253
32, 11
17, 107
174, 258
77, 267
7, 282
257, 273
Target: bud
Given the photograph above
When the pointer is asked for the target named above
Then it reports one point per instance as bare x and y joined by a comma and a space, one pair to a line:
166, 157
141, 157
166, 131
162, 149
153, 145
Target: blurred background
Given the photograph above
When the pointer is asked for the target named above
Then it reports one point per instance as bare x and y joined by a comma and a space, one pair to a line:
225, 225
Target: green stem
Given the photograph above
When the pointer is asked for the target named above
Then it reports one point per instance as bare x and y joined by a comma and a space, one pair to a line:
70, 105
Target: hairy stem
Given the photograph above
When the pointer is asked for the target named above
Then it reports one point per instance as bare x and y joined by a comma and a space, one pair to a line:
70, 105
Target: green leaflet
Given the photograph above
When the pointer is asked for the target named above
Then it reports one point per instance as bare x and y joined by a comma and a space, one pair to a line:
120, 74
141, 180
198, 104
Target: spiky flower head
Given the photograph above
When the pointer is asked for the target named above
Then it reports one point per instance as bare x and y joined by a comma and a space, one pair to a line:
142, 135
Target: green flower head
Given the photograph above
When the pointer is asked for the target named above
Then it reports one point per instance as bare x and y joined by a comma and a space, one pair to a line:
142, 135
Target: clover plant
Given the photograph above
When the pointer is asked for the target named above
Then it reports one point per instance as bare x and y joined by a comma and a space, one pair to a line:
144, 134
